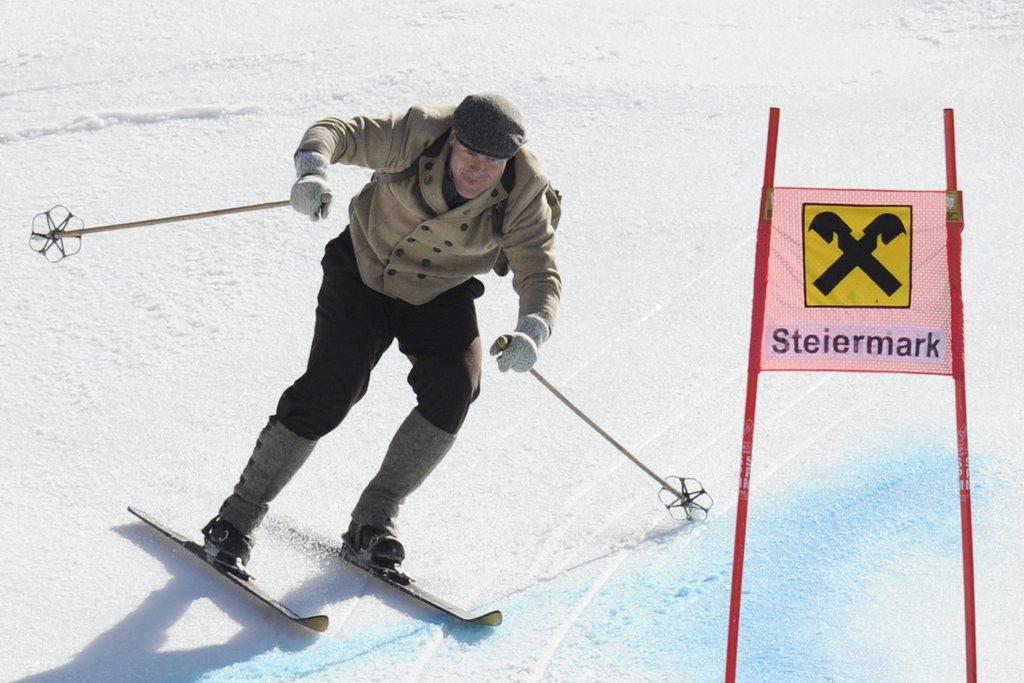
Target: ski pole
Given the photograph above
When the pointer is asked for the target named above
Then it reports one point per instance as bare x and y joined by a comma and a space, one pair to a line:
51, 228
690, 495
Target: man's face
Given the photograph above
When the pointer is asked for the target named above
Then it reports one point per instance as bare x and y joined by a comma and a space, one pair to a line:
473, 173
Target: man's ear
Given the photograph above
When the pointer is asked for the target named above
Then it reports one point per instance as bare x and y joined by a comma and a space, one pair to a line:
451, 138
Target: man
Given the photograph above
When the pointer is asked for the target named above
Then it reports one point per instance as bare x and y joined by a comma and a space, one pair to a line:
453, 190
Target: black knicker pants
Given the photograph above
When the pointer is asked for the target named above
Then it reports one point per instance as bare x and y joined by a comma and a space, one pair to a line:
356, 324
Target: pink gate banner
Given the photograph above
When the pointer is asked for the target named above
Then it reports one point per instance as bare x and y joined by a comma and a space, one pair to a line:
858, 280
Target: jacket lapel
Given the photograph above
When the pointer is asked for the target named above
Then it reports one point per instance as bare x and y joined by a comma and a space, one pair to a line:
431, 181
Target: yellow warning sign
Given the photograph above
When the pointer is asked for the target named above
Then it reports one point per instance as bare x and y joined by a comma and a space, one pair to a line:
857, 256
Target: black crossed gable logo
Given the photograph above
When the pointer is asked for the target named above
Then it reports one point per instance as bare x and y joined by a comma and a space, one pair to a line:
857, 253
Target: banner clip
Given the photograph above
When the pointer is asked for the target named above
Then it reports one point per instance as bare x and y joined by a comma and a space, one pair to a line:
769, 194
954, 206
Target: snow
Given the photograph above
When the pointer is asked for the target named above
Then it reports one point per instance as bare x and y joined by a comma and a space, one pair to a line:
141, 370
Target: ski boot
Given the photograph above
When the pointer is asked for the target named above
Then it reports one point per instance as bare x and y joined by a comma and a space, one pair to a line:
373, 548
227, 546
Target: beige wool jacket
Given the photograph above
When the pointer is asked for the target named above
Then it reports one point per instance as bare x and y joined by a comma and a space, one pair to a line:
409, 244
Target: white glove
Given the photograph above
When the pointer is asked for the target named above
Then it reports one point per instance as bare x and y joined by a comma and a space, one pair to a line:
311, 195
518, 350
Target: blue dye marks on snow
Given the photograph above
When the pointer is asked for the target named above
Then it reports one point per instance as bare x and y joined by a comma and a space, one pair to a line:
804, 573
395, 644
664, 610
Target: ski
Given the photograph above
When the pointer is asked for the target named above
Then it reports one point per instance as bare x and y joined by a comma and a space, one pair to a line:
396, 579
407, 585
245, 582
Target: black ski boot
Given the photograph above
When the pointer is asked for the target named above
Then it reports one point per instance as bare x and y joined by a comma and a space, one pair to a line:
227, 546
373, 548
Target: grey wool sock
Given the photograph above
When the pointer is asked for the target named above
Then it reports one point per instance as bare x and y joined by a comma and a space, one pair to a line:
278, 455
416, 449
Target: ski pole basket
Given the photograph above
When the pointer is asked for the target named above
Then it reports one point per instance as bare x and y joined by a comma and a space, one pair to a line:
49, 237
687, 499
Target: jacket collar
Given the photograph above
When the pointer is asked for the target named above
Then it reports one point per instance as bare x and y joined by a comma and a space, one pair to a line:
431, 180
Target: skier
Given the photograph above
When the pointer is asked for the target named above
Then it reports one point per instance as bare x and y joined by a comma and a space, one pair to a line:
454, 191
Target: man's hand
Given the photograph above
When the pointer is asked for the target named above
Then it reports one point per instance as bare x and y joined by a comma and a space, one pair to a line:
311, 195
518, 350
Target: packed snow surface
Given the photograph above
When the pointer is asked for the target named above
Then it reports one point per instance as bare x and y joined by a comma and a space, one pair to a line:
141, 370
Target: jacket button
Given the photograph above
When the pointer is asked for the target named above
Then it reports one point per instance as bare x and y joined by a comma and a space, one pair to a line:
424, 227
448, 244
399, 252
429, 165
391, 271
410, 239
464, 227
437, 250
425, 262
494, 193
422, 276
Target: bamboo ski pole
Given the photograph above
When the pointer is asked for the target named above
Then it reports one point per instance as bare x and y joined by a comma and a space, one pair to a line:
684, 498
583, 416
51, 228
173, 219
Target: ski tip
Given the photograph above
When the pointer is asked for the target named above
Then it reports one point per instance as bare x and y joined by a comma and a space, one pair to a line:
489, 619
317, 623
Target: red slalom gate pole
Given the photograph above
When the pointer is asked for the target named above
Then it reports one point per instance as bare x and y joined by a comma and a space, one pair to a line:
954, 228
764, 227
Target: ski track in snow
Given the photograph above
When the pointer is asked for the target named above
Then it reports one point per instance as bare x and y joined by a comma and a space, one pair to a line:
590, 483
541, 666
595, 589
551, 543
622, 554
543, 567
340, 624
103, 120
739, 247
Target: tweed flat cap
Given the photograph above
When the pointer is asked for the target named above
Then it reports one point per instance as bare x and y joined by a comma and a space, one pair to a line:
489, 124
